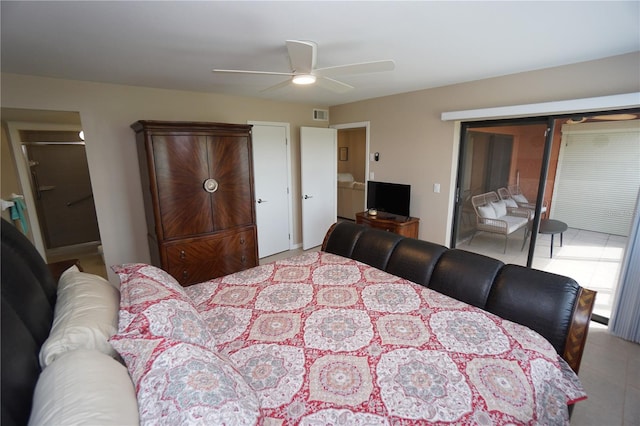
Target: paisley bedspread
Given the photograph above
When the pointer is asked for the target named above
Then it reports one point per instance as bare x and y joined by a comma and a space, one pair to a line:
328, 340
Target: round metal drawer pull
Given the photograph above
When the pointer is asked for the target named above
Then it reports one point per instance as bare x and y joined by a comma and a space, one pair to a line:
241, 240
182, 254
210, 185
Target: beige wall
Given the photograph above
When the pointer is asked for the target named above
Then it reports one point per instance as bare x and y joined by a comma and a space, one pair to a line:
107, 111
355, 140
417, 148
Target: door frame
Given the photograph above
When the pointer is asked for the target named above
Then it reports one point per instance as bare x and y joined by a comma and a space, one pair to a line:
287, 130
463, 146
24, 176
367, 127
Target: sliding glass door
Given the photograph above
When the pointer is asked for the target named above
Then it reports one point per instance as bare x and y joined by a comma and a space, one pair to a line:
579, 177
500, 164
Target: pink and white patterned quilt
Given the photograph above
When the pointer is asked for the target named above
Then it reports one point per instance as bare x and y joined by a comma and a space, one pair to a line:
323, 339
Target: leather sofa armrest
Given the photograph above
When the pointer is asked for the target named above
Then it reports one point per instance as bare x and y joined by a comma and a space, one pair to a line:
577, 336
341, 238
542, 301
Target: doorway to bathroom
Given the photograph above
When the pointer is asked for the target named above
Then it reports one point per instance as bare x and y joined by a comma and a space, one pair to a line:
53, 174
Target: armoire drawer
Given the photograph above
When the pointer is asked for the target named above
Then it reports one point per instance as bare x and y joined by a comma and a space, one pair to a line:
191, 262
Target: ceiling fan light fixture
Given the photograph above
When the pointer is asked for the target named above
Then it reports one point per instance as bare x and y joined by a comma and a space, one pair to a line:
304, 79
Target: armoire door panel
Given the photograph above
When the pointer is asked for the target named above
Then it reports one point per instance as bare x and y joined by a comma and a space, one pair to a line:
230, 166
198, 195
181, 168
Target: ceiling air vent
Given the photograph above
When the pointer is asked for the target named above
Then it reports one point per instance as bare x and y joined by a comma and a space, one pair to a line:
321, 114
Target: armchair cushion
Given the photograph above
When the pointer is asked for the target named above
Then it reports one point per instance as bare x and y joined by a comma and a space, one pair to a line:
500, 207
519, 198
510, 202
487, 212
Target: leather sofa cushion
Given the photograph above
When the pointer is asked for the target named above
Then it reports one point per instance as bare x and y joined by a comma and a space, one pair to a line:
465, 276
374, 248
28, 291
20, 367
343, 242
415, 260
546, 307
28, 300
26, 253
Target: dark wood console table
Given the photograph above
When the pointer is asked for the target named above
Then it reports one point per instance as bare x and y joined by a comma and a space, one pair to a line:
405, 226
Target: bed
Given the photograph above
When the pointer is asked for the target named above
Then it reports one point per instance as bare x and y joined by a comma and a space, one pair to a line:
372, 329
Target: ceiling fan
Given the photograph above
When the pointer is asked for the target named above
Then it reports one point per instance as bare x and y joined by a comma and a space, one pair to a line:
302, 57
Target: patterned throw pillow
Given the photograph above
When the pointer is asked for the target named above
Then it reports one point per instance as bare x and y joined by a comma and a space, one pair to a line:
153, 303
182, 383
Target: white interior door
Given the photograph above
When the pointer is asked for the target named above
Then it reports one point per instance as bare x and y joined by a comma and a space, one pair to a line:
271, 176
318, 167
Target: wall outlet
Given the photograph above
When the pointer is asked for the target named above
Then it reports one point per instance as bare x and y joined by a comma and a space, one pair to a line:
371, 176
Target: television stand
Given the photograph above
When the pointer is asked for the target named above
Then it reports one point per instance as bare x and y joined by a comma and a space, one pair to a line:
402, 225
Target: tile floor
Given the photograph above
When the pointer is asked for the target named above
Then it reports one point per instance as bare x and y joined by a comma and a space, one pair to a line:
610, 373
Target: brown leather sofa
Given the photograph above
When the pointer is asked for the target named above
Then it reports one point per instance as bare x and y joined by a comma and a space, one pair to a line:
553, 305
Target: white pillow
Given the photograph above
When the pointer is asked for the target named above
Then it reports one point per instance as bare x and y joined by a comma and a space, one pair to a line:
85, 316
510, 202
84, 387
487, 212
500, 207
345, 177
74, 276
520, 198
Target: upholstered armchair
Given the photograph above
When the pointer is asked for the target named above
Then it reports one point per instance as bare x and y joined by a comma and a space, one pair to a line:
494, 215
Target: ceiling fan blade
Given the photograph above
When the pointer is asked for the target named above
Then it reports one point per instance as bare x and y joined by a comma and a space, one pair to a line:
302, 56
252, 72
359, 68
333, 85
277, 86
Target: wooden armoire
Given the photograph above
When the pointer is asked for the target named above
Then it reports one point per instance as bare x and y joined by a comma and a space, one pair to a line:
198, 193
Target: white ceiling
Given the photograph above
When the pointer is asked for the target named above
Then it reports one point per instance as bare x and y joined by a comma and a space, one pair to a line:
176, 44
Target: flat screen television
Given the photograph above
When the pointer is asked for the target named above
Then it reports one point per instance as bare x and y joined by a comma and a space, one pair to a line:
390, 198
